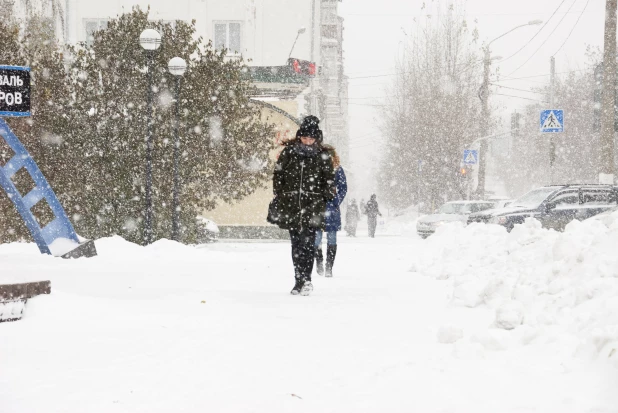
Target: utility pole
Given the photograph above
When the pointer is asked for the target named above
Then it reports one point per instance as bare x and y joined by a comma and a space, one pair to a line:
608, 100
484, 96
419, 174
552, 145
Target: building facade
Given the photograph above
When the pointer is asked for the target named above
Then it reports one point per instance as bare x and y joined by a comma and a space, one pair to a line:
333, 83
263, 32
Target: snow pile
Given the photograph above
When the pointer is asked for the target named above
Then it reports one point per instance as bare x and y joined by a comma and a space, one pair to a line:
402, 223
449, 334
61, 246
543, 287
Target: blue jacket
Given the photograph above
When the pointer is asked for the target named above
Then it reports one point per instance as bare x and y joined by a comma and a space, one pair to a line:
333, 213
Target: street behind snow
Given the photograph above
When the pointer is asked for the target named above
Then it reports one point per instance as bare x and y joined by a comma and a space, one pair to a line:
176, 328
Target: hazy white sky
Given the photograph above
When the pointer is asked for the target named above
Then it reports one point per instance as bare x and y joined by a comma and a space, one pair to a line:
374, 31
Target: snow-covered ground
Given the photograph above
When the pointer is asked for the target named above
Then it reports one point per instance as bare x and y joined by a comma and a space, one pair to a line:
470, 320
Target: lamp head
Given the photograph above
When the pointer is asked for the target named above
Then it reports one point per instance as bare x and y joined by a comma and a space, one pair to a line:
177, 66
301, 30
150, 40
535, 22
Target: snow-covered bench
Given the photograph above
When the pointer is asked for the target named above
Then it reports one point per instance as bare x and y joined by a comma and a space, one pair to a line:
13, 298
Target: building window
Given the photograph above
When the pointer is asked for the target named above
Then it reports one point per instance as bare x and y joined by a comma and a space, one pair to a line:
227, 36
329, 31
91, 26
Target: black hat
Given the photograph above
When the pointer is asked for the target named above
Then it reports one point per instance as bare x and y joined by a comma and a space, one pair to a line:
310, 128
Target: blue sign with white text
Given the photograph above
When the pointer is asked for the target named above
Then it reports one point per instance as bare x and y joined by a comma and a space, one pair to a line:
552, 121
470, 156
14, 91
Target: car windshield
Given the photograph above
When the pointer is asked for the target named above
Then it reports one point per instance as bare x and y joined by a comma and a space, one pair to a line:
462, 209
452, 209
533, 198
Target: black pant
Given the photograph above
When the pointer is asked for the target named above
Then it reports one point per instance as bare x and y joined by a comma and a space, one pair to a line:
373, 223
303, 244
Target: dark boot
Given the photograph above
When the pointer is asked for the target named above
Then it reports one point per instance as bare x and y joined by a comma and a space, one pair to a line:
331, 252
319, 260
297, 287
306, 288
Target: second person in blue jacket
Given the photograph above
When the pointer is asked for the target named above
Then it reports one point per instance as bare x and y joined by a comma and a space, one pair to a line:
332, 219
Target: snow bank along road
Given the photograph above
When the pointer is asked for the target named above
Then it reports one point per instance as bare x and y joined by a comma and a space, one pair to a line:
471, 320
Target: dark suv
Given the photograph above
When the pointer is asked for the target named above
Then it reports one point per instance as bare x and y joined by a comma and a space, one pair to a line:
554, 206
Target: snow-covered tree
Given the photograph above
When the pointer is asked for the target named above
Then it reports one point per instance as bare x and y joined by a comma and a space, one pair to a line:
224, 145
434, 110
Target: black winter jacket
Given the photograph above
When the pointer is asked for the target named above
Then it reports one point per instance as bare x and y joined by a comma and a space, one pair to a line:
303, 183
372, 208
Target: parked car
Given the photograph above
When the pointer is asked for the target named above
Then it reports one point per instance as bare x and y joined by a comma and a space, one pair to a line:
554, 206
207, 230
450, 212
605, 217
501, 203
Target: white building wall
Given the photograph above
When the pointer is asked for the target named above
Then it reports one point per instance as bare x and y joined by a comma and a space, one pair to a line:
268, 27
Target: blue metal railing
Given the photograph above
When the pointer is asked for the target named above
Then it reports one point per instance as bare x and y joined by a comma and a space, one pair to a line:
60, 226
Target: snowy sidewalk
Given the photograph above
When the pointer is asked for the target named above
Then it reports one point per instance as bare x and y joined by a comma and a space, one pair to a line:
170, 328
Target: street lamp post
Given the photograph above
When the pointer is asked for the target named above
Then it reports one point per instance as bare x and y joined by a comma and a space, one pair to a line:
484, 96
150, 40
177, 67
300, 31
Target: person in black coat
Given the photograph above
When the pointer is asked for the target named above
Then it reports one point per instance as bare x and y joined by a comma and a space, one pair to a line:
303, 182
372, 215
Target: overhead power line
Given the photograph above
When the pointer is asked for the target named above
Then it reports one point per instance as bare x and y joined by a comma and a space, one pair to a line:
542, 44
533, 76
574, 26
367, 77
535, 35
514, 88
521, 97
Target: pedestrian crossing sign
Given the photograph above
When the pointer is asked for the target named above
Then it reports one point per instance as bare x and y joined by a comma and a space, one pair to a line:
471, 157
552, 120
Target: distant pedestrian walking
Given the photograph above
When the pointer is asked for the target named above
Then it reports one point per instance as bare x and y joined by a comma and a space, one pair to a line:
333, 219
372, 215
303, 182
352, 216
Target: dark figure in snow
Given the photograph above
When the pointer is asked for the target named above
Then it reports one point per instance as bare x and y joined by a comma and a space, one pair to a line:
333, 219
303, 183
372, 215
352, 216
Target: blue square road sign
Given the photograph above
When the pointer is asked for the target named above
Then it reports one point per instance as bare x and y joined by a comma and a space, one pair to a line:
552, 121
470, 157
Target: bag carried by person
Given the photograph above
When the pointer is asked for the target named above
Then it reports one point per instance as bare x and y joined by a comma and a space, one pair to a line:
274, 216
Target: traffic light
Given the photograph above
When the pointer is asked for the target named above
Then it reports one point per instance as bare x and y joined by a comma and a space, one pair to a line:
303, 67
